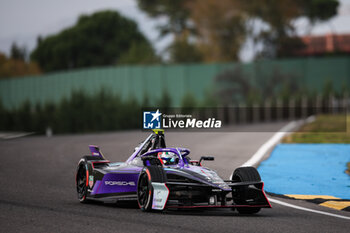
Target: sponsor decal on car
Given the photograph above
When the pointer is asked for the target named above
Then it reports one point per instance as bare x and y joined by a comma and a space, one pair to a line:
120, 183
91, 181
160, 195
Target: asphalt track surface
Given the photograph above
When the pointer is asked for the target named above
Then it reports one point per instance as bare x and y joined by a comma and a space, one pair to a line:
37, 189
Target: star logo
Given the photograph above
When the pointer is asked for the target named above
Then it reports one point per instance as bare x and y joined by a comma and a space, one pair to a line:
156, 115
151, 120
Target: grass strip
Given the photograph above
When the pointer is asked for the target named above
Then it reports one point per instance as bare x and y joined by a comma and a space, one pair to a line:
325, 129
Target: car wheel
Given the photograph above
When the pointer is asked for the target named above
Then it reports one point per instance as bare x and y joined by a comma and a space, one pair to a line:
144, 186
81, 182
145, 191
246, 174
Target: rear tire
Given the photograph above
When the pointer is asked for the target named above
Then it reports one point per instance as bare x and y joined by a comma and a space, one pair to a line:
81, 182
246, 174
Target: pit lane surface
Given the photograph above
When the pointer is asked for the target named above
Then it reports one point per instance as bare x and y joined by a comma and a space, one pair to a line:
38, 188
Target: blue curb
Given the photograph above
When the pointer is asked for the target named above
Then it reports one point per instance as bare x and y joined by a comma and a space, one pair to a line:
312, 169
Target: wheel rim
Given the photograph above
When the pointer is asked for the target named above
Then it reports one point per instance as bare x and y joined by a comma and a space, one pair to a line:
81, 182
143, 190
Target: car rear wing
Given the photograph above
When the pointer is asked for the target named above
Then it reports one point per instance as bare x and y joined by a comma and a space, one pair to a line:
95, 151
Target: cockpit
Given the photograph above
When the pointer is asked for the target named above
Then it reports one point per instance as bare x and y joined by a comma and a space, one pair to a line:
168, 158
154, 147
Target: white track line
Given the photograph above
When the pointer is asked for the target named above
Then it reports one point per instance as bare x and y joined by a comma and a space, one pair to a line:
307, 209
270, 143
266, 147
19, 135
14, 135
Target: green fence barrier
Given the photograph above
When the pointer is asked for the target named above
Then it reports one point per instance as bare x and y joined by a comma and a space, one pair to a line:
177, 80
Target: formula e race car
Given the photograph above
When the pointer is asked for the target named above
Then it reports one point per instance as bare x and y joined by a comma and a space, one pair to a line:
161, 178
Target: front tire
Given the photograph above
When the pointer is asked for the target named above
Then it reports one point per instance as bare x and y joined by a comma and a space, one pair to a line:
144, 186
246, 174
144, 192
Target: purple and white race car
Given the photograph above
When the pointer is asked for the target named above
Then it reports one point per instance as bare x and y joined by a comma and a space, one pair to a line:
161, 178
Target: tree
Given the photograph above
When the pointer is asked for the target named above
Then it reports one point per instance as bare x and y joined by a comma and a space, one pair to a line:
279, 37
18, 53
177, 13
319, 10
103, 38
223, 26
220, 27
182, 50
139, 53
10, 67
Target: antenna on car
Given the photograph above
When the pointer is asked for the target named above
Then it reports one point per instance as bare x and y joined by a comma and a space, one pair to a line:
160, 138
158, 131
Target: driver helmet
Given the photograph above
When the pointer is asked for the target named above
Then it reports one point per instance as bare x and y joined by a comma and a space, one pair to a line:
167, 158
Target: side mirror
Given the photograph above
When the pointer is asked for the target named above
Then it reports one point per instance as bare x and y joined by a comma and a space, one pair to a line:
207, 158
